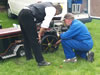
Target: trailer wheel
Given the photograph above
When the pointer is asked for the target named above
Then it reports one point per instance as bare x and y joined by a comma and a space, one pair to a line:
21, 51
47, 43
10, 14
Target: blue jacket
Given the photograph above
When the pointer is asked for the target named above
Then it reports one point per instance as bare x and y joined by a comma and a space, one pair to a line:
77, 31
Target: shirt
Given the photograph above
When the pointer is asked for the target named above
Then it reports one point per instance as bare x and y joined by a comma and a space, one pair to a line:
50, 12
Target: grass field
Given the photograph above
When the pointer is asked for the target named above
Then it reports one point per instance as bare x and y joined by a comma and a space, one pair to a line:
19, 66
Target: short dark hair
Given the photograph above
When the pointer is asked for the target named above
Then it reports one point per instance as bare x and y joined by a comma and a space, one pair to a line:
69, 16
58, 7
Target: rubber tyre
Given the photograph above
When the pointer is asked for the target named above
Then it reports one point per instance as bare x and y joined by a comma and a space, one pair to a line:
21, 51
10, 14
47, 43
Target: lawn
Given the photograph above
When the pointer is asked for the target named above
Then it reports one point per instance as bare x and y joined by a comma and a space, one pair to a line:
19, 66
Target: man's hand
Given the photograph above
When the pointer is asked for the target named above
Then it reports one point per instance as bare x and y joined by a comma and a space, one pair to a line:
58, 42
41, 32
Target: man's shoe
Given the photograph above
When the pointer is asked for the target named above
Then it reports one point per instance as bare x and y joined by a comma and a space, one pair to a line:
70, 60
44, 63
90, 56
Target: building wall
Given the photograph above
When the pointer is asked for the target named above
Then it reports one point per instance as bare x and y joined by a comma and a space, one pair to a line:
95, 8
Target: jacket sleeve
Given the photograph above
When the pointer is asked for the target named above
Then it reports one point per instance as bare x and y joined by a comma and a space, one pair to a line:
73, 31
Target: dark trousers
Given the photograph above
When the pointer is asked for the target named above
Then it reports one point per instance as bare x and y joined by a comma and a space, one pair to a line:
29, 31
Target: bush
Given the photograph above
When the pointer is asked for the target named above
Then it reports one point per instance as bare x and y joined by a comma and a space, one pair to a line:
3, 2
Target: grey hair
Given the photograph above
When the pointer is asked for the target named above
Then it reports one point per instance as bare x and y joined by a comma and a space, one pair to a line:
58, 7
69, 16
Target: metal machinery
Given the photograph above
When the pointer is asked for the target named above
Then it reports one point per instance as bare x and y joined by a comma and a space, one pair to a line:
11, 41
51, 36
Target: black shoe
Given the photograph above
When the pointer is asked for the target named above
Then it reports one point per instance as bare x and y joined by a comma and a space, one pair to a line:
90, 56
44, 63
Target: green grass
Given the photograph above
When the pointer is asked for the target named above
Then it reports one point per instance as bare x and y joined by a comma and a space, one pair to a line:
19, 66
5, 21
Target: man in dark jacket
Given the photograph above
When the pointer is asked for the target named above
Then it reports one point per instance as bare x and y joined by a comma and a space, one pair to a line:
28, 17
77, 37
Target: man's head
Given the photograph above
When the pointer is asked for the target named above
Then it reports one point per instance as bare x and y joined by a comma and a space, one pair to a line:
68, 18
58, 9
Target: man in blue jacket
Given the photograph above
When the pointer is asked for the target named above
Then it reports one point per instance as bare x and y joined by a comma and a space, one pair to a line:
76, 40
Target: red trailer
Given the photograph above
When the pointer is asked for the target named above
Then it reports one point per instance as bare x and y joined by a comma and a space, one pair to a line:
11, 43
